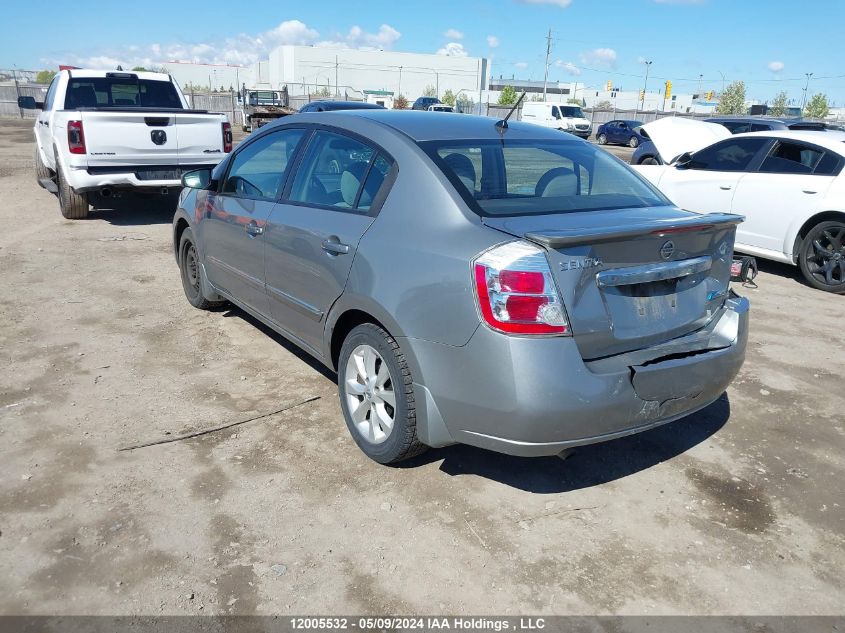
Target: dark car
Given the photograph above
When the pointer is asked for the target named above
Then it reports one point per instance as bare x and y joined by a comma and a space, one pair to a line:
330, 106
624, 132
424, 103
647, 154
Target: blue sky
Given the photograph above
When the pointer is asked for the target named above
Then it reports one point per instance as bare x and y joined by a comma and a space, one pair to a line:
770, 45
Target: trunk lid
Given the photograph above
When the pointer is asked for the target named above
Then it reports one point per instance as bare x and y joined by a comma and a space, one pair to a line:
672, 136
632, 278
133, 138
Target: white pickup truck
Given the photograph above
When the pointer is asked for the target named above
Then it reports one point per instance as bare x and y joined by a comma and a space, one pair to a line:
109, 132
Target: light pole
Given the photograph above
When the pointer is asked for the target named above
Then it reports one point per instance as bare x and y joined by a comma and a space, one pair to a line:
700, 77
723, 81
645, 83
806, 86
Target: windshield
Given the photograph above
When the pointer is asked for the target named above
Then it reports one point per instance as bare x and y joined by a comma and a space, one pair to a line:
510, 178
121, 92
571, 112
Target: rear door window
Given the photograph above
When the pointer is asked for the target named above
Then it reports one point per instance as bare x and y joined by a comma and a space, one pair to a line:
788, 157
258, 170
728, 155
332, 172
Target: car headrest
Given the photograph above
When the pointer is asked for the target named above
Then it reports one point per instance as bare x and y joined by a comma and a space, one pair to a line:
560, 181
350, 181
463, 168
82, 97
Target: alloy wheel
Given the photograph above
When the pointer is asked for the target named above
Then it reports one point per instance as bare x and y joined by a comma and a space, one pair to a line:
825, 261
370, 397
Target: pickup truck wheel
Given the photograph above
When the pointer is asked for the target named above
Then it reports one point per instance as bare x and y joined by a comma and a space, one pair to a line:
822, 257
74, 206
189, 268
41, 170
377, 395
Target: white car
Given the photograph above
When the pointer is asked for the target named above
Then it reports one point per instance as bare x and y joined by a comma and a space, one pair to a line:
105, 132
788, 184
440, 107
558, 116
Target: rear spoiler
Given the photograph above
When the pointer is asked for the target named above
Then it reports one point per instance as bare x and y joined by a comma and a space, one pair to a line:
559, 238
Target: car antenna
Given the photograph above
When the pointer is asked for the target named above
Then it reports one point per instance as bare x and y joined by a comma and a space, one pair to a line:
503, 124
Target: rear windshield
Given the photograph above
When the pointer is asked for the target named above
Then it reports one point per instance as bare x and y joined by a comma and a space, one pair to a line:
518, 177
121, 92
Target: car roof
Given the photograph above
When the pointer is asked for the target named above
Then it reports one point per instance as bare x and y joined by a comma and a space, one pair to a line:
87, 73
419, 126
348, 105
831, 139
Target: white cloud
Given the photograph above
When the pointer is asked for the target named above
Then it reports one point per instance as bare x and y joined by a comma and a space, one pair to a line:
568, 67
453, 34
453, 49
599, 57
776, 67
492, 41
558, 3
521, 65
241, 49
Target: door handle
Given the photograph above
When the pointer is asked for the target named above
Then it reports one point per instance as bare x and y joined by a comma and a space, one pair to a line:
810, 191
725, 187
253, 229
335, 247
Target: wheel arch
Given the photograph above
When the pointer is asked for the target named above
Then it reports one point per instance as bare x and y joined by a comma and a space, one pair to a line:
180, 223
809, 223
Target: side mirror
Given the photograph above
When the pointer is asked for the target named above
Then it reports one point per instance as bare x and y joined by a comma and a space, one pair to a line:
683, 160
196, 178
29, 103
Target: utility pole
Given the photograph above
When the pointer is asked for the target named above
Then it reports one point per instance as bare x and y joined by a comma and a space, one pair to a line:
806, 86
546, 65
700, 77
399, 91
645, 83
336, 91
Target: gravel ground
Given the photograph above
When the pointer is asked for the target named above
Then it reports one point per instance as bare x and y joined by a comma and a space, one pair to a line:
734, 510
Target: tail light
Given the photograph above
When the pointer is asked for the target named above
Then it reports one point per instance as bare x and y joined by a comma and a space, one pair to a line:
75, 137
227, 137
516, 292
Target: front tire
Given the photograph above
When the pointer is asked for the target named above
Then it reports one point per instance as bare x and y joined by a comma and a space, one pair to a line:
602, 139
633, 142
189, 269
377, 395
74, 206
822, 256
649, 160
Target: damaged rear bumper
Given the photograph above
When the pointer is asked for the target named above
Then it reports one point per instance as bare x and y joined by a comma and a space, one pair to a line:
537, 396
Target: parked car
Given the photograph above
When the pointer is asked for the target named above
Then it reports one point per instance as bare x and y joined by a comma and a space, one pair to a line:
424, 103
331, 106
788, 185
108, 132
440, 107
740, 124
568, 118
620, 132
501, 286
647, 154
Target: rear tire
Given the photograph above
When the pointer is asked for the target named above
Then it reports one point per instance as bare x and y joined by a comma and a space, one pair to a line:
602, 139
821, 257
189, 269
41, 170
633, 142
379, 409
649, 160
74, 206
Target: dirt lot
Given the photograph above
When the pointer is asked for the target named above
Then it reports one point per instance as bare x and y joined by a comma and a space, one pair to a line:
735, 510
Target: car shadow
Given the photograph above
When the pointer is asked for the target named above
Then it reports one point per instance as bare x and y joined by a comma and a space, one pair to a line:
134, 209
229, 310
782, 270
586, 466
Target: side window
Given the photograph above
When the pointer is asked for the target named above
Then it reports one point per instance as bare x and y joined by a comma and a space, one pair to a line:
791, 158
759, 127
829, 165
555, 112
374, 181
332, 171
51, 94
728, 155
258, 170
737, 127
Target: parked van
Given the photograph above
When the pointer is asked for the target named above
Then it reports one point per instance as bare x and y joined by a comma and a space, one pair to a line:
568, 118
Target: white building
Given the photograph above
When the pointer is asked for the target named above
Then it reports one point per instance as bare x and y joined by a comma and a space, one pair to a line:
350, 72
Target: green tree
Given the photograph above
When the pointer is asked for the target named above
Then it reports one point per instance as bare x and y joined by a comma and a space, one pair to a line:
449, 98
139, 69
817, 107
732, 99
778, 107
400, 103
430, 91
464, 103
603, 105
323, 92
44, 76
507, 96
